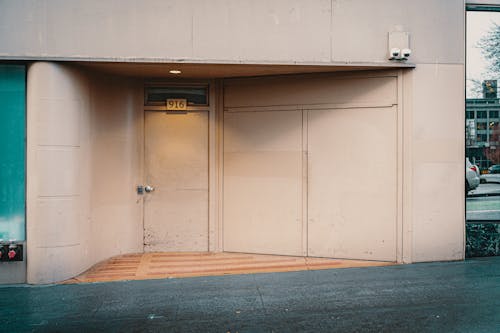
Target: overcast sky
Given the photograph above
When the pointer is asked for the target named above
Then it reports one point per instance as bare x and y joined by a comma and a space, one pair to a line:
478, 24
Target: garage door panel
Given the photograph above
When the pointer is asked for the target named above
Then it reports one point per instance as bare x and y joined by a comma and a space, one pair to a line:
372, 91
352, 183
262, 182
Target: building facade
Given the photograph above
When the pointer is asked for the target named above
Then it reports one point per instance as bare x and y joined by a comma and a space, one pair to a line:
482, 127
275, 127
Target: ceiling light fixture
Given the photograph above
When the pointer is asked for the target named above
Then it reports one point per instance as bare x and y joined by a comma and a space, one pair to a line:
174, 71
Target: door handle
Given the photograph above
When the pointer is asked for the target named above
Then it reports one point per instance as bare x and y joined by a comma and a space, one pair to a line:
149, 188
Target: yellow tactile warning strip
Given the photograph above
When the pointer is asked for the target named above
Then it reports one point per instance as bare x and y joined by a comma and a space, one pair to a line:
160, 265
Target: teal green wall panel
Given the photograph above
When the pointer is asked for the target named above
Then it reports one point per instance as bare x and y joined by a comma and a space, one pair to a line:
12, 152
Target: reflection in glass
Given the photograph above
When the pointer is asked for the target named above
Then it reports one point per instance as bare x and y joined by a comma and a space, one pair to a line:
482, 134
481, 125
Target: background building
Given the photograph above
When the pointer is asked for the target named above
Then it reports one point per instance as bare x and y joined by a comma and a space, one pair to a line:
482, 119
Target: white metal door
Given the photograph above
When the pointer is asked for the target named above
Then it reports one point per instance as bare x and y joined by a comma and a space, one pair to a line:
352, 192
176, 166
263, 182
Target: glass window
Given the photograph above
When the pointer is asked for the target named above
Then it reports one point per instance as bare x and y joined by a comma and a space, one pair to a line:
12, 149
195, 96
482, 149
470, 114
481, 137
482, 115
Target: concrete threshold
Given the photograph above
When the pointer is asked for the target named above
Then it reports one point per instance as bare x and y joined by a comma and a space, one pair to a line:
161, 265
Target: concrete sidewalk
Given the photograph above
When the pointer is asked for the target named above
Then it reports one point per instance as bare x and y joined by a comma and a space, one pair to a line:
435, 297
488, 189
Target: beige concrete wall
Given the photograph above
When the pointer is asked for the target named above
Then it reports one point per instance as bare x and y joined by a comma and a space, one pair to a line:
83, 164
116, 130
85, 130
58, 171
436, 29
283, 31
434, 163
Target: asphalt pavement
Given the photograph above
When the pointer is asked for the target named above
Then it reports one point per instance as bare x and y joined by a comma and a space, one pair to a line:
431, 297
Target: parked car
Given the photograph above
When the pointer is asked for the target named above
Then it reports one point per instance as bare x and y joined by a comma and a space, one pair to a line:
471, 176
493, 175
494, 169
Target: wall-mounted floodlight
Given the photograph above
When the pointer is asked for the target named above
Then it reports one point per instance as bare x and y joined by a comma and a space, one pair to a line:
399, 45
395, 54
